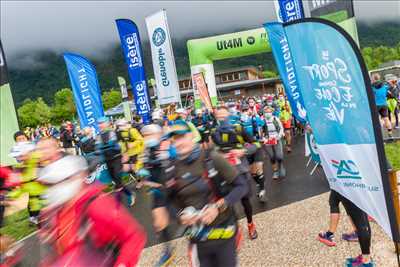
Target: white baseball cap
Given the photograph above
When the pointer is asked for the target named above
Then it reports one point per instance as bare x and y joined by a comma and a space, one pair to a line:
181, 111
20, 149
62, 169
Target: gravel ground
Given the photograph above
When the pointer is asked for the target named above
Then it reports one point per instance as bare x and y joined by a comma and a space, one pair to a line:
287, 237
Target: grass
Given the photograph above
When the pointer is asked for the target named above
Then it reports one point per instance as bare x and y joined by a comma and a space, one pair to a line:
393, 154
17, 225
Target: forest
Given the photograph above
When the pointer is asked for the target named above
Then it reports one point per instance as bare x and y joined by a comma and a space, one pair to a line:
45, 85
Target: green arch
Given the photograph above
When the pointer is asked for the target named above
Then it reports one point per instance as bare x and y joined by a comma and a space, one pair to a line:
203, 52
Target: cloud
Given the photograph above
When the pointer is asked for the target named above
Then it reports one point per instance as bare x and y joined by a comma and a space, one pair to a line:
88, 27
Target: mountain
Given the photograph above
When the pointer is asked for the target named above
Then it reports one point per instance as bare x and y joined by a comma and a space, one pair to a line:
47, 73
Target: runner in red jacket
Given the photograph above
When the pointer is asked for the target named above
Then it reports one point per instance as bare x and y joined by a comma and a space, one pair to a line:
83, 225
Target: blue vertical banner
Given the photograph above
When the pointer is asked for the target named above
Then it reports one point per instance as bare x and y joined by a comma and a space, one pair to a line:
85, 87
289, 10
283, 60
131, 45
337, 94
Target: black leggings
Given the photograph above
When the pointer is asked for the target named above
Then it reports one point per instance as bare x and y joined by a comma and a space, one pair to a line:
248, 209
396, 116
360, 220
114, 167
218, 253
334, 201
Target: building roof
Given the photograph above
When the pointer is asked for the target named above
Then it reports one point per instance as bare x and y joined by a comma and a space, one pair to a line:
245, 83
238, 84
390, 64
251, 68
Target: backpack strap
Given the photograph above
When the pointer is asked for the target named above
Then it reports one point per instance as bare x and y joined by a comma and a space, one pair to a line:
276, 124
84, 219
238, 132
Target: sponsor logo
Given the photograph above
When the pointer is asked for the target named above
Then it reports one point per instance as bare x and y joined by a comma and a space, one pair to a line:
346, 169
229, 44
133, 55
251, 40
163, 67
141, 98
159, 36
87, 102
320, 3
292, 10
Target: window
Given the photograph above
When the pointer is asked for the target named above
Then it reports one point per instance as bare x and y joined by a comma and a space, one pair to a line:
236, 76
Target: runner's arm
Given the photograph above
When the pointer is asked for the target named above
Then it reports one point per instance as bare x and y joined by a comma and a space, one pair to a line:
232, 177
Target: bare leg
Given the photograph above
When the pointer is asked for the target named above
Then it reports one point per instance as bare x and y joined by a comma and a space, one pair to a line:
334, 222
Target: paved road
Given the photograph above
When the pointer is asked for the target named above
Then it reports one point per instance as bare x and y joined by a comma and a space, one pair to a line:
298, 185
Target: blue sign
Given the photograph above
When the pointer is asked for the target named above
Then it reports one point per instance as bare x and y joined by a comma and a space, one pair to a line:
85, 87
287, 72
336, 91
130, 42
291, 10
331, 84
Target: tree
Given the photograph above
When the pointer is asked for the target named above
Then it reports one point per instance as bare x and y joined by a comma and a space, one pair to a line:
64, 106
270, 74
375, 56
111, 98
33, 113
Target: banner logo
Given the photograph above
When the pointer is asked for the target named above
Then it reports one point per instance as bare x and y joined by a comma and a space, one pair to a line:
251, 40
133, 54
86, 90
319, 3
289, 10
283, 58
334, 89
346, 169
159, 36
229, 44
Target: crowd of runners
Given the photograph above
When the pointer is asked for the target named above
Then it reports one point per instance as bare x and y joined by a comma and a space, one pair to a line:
197, 164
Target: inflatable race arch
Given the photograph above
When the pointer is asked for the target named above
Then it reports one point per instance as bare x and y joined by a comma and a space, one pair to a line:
203, 52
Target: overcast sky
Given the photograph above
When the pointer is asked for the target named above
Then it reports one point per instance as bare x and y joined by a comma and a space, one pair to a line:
88, 27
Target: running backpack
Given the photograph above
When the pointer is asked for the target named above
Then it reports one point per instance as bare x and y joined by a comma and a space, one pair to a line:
218, 185
84, 252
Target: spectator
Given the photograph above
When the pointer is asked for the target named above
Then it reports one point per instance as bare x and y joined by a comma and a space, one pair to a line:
393, 102
67, 138
381, 90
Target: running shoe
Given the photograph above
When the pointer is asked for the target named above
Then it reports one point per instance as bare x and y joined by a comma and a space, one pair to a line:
166, 258
352, 237
34, 220
358, 262
288, 149
262, 196
275, 175
252, 231
327, 239
132, 199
